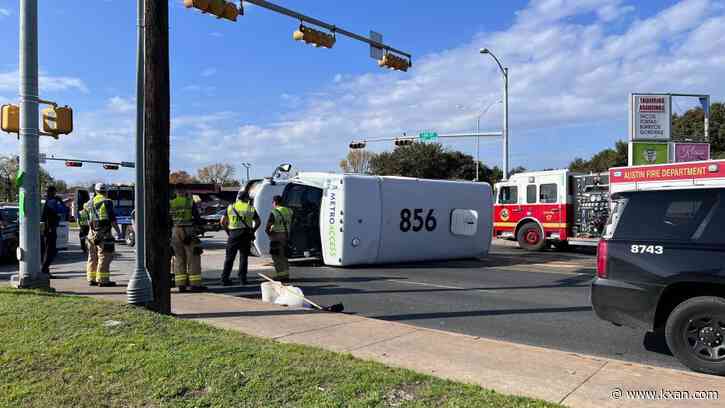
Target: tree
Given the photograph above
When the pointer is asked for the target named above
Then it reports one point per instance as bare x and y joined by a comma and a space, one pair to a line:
180, 177
432, 161
8, 172
357, 161
691, 124
218, 173
603, 160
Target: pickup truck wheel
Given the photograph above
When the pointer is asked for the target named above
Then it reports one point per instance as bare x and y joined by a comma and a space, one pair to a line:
530, 237
695, 333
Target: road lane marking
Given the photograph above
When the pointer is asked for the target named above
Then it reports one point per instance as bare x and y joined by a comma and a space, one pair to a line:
433, 285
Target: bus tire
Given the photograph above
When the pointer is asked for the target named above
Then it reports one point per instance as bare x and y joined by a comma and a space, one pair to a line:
531, 237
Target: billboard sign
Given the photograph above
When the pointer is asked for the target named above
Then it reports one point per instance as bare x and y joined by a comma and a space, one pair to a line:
650, 117
643, 153
689, 152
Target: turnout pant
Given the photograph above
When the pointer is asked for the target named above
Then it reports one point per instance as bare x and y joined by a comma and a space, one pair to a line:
187, 256
49, 250
83, 237
278, 250
238, 241
100, 255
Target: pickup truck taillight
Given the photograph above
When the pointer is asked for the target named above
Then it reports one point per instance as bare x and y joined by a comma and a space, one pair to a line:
602, 259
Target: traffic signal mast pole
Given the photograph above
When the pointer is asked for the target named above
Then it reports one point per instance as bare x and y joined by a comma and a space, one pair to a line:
121, 164
333, 28
29, 275
440, 136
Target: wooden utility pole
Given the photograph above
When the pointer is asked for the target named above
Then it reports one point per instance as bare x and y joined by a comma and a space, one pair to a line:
156, 131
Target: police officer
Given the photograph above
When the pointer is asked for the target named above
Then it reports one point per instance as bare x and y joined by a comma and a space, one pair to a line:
83, 228
241, 223
50, 218
278, 227
186, 246
101, 244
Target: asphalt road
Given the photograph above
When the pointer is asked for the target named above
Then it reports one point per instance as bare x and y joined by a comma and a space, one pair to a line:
539, 299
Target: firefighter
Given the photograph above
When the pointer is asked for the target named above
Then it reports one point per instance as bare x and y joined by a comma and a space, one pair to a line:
83, 228
186, 246
278, 227
241, 223
101, 244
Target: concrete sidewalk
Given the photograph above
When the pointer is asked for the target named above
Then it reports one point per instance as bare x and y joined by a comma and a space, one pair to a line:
571, 379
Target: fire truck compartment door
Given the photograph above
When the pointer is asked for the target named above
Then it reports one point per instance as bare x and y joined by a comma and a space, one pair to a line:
464, 222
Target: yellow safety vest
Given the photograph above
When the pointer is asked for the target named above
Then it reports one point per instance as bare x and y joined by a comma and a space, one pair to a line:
98, 212
282, 219
83, 218
181, 210
240, 215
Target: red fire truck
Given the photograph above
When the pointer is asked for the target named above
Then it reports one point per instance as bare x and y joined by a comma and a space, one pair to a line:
554, 207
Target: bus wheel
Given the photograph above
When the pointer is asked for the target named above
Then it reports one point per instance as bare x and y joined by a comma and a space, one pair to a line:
530, 237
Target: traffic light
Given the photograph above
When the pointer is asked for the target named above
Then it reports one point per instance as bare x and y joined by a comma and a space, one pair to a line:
73, 164
394, 62
10, 118
110, 166
314, 37
58, 120
403, 142
357, 145
220, 8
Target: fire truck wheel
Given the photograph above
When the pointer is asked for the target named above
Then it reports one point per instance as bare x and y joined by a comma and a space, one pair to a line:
530, 237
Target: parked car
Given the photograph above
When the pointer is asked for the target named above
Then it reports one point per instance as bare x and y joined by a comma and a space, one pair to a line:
9, 231
211, 221
660, 264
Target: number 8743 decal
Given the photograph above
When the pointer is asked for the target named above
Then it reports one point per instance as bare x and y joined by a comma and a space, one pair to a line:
647, 249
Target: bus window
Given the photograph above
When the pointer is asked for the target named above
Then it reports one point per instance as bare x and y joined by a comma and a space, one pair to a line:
508, 195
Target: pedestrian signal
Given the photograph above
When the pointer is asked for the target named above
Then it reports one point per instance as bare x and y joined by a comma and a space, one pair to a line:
10, 118
314, 37
394, 62
58, 120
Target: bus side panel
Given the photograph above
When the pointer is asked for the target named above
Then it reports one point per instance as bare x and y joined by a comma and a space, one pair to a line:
362, 217
417, 214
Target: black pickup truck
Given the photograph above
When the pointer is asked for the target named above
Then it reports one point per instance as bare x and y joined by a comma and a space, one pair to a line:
661, 268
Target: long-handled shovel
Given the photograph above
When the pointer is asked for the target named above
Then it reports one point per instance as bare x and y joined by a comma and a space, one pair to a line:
336, 308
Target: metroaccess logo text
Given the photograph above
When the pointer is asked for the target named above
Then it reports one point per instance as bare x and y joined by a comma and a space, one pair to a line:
332, 221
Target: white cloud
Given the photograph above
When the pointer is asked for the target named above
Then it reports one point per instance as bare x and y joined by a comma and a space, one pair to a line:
122, 105
9, 82
4, 12
207, 72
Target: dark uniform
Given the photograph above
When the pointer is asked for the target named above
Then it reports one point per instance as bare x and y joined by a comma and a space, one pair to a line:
50, 217
241, 222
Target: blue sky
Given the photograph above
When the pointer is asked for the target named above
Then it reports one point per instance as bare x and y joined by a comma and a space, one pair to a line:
246, 92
